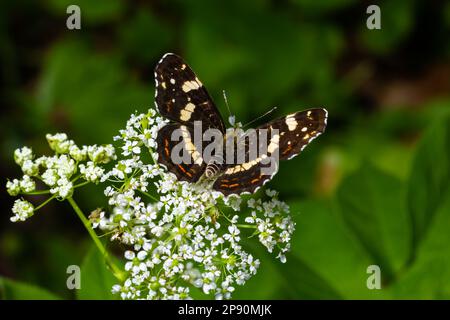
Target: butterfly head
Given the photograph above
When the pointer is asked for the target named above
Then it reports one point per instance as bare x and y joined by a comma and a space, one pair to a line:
233, 123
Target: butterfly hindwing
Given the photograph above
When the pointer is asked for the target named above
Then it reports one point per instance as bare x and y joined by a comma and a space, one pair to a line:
293, 133
181, 97
171, 135
243, 178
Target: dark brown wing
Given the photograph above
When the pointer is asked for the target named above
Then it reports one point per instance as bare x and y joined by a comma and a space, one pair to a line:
284, 139
244, 178
175, 141
181, 97
297, 130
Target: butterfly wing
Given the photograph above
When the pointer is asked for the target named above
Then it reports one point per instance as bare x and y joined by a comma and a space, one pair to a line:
293, 133
296, 131
181, 97
244, 178
175, 140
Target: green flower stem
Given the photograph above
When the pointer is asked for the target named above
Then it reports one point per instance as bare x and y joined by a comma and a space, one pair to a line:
45, 202
35, 193
81, 184
87, 224
148, 195
248, 226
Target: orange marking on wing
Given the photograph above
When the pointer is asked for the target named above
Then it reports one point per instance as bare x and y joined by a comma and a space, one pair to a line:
166, 147
234, 185
182, 169
289, 148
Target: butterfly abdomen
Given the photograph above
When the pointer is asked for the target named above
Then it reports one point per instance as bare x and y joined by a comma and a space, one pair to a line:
214, 166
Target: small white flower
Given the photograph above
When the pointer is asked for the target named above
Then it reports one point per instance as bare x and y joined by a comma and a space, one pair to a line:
271, 193
282, 257
64, 188
78, 154
50, 177
27, 184
91, 172
22, 155
13, 187
129, 255
30, 168
65, 166
22, 210
101, 154
131, 147
58, 142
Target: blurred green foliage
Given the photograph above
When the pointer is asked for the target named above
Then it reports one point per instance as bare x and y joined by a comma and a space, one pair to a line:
366, 192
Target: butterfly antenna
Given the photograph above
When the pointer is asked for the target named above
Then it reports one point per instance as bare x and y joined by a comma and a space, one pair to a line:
261, 116
231, 118
226, 102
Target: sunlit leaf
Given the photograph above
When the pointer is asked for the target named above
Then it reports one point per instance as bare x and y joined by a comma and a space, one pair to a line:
430, 178
372, 205
15, 290
96, 279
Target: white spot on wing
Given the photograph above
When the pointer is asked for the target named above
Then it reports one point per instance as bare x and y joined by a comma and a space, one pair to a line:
273, 145
190, 107
185, 115
291, 122
191, 85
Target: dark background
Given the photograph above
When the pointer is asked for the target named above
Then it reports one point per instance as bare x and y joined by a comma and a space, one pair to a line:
355, 192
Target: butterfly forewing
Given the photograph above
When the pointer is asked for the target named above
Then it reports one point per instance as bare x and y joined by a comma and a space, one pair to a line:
190, 168
181, 97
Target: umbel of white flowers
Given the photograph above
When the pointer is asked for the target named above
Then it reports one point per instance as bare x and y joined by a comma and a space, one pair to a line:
60, 173
179, 235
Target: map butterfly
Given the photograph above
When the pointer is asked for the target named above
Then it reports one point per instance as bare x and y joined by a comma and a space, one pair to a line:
182, 98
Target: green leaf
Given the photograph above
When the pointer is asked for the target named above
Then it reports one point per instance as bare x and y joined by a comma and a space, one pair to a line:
15, 290
326, 262
268, 274
372, 204
96, 279
429, 276
430, 178
70, 97
302, 282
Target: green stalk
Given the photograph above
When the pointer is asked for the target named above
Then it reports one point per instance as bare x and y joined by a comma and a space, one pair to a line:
148, 195
45, 202
87, 224
35, 193
248, 226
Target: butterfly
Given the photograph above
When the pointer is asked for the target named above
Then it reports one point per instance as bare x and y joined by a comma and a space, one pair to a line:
181, 98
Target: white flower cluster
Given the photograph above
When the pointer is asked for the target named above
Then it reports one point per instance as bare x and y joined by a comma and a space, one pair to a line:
22, 210
59, 172
188, 235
